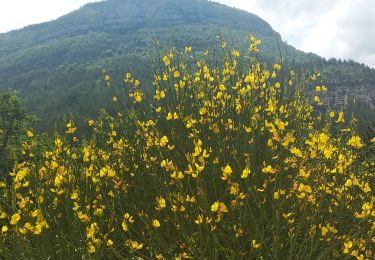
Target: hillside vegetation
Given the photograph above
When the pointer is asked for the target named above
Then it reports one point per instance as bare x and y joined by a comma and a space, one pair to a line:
56, 66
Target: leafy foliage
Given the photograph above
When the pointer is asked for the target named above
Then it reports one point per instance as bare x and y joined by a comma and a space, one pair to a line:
13, 122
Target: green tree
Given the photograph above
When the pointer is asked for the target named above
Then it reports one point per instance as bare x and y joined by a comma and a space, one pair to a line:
14, 121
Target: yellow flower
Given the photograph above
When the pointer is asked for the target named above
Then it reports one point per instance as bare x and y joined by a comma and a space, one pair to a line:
347, 245
160, 203
4, 229
74, 196
136, 246
83, 217
367, 188
169, 116
219, 207
227, 172
277, 66
91, 249
340, 119
156, 223
109, 242
15, 218
324, 231
355, 142
188, 49
138, 96
317, 100
268, 169
29, 134
255, 245
363, 214
159, 257
28, 226
349, 183
199, 219
163, 141
176, 74
245, 173
236, 53
166, 60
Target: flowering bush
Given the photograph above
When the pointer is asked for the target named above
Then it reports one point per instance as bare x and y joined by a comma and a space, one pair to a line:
226, 159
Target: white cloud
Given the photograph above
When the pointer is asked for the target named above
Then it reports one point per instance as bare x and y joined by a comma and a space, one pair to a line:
15, 14
330, 28
346, 31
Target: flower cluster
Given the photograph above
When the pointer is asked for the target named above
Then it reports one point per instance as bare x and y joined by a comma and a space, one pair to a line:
223, 158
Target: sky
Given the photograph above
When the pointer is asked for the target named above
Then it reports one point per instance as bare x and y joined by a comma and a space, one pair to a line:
331, 28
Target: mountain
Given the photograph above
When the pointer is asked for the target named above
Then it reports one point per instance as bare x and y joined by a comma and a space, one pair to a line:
57, 66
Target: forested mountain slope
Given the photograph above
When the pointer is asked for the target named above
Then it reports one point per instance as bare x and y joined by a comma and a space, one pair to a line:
57, 66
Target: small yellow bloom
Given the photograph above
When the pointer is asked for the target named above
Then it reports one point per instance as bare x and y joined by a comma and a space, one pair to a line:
347, 245
156, 223
91, 249
166, 60
160, 202
245, 173
138, 96
74, 196
163, 141
219, 207
227, 172
340, 119
236, 53
255, 245
15, 218
317, 100
29, 134
199, 219
109, 242
355, 142
136, 246
188, 49
176, 74
349, 183
324, 231
4, 229
268, 169
277, 66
